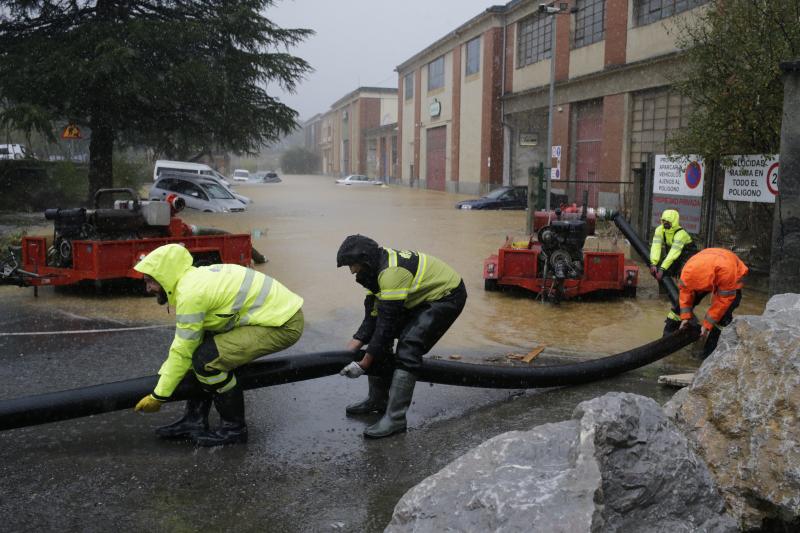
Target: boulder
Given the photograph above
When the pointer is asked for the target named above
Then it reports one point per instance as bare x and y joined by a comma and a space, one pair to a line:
741, 414
618, 465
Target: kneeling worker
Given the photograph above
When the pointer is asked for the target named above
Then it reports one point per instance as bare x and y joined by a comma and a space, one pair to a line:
719, 272
412, 297
227, 316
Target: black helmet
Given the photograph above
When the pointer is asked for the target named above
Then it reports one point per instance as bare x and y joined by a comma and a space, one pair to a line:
357, 249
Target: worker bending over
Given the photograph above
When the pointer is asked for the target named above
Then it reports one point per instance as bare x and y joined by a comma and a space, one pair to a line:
227, 316
412, 297
719, 272
679, 248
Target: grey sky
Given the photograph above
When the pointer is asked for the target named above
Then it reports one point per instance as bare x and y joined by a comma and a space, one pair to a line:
360, 42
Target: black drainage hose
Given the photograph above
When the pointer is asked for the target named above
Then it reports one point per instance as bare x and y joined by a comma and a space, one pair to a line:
64, 405
644, 253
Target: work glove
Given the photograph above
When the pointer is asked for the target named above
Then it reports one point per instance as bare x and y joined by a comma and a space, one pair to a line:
653, 270
353, 370
704, 332
148, 404
659, 274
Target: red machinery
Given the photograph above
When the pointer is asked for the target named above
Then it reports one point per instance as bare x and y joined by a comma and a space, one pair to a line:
104, 244
553, 262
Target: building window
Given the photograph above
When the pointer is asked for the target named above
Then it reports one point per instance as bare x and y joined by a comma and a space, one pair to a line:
436, 73
649, 11
473, 63
534, 41
589, 22
409, 86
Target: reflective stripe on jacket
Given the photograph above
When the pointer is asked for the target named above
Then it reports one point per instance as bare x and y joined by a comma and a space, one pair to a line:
216, 298
713, 270
414, 277
675, 237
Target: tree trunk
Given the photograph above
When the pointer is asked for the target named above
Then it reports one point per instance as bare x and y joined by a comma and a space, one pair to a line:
785, 269
101, 151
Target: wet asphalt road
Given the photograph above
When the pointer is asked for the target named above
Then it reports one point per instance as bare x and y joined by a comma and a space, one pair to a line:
306, 467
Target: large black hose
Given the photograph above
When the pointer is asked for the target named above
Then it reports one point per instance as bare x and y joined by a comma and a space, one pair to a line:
64, 405
644, 253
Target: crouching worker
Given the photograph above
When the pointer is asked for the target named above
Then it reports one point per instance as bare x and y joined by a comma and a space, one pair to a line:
411, 297
718, 272
227, 316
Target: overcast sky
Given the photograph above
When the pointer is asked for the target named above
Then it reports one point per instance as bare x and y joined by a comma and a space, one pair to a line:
360, 42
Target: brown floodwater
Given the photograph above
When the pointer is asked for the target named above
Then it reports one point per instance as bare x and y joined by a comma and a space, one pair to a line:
299, 223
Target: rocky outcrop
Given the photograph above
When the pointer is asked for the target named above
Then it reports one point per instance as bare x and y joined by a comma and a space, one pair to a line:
618, 465
742, 414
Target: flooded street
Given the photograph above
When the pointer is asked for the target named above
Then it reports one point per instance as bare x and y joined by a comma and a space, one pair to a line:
306, 467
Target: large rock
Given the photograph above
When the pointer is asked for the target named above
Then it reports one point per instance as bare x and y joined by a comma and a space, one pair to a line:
741, 414
618, 465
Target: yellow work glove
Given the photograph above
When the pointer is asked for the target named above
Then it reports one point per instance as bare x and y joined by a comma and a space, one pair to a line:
148, 404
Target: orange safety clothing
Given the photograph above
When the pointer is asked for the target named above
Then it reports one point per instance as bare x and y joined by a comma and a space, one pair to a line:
713, 270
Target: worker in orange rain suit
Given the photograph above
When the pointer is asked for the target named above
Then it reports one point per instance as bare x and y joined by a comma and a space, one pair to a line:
719, 272
679, 248
227, 316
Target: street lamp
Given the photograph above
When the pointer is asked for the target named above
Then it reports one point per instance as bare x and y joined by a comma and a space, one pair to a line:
552, 10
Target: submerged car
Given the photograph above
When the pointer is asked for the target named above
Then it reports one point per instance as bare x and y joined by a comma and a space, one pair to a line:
508, 197
266, 176
358, 179
203, 194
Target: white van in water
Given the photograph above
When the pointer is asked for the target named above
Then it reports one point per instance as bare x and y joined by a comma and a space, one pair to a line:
13, 151
163, 166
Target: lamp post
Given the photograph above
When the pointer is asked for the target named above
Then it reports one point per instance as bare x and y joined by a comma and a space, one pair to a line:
552, 10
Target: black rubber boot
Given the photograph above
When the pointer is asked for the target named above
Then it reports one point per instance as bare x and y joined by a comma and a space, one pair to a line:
193, 422
394, 420
232, 429
376, 399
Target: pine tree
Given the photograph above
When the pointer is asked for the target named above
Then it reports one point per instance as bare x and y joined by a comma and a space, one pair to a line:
180, 77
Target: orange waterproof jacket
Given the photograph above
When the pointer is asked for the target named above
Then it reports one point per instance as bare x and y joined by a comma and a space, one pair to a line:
713, 270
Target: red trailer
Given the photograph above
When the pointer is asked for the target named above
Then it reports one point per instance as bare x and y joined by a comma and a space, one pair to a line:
105, 244
553, 263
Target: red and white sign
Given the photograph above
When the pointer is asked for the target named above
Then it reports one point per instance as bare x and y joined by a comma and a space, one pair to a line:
678, 175
752, 178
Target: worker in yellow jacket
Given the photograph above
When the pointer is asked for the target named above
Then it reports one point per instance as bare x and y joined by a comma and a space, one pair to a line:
227, 316
412, 297
672, 246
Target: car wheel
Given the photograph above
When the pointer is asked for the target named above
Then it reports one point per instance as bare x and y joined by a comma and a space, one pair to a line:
490, 285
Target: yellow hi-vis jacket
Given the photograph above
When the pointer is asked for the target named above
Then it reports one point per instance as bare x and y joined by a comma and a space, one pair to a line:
216, 298
675, 237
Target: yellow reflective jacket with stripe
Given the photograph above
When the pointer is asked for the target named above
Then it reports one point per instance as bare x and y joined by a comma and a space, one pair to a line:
216, 298
414, 277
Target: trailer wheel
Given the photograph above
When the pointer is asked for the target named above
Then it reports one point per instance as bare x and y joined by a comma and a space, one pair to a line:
490, 285
629, 292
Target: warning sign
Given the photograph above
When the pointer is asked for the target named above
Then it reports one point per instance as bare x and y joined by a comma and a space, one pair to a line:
71, 131
678, 175
689, 208
752, 178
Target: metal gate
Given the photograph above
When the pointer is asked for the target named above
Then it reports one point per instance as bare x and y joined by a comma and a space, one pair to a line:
436, 147
588, 143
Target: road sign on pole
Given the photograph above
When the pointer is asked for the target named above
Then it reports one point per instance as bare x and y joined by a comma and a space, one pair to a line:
71, 131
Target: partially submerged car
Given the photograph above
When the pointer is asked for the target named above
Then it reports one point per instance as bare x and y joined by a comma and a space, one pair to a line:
358, 179
266, 176
203, 194
508, 197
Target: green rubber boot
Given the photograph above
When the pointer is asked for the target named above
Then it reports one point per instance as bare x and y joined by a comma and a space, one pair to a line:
376, 399
394, 420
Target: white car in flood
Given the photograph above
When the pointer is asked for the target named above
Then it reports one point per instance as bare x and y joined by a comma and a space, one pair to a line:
358, 179
241, 174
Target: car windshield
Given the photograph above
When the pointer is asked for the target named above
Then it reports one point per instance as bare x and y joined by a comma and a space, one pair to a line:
216, 191
497, 193
241, 173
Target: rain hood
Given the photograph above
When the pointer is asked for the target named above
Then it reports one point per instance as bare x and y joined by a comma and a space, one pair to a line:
166, 264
